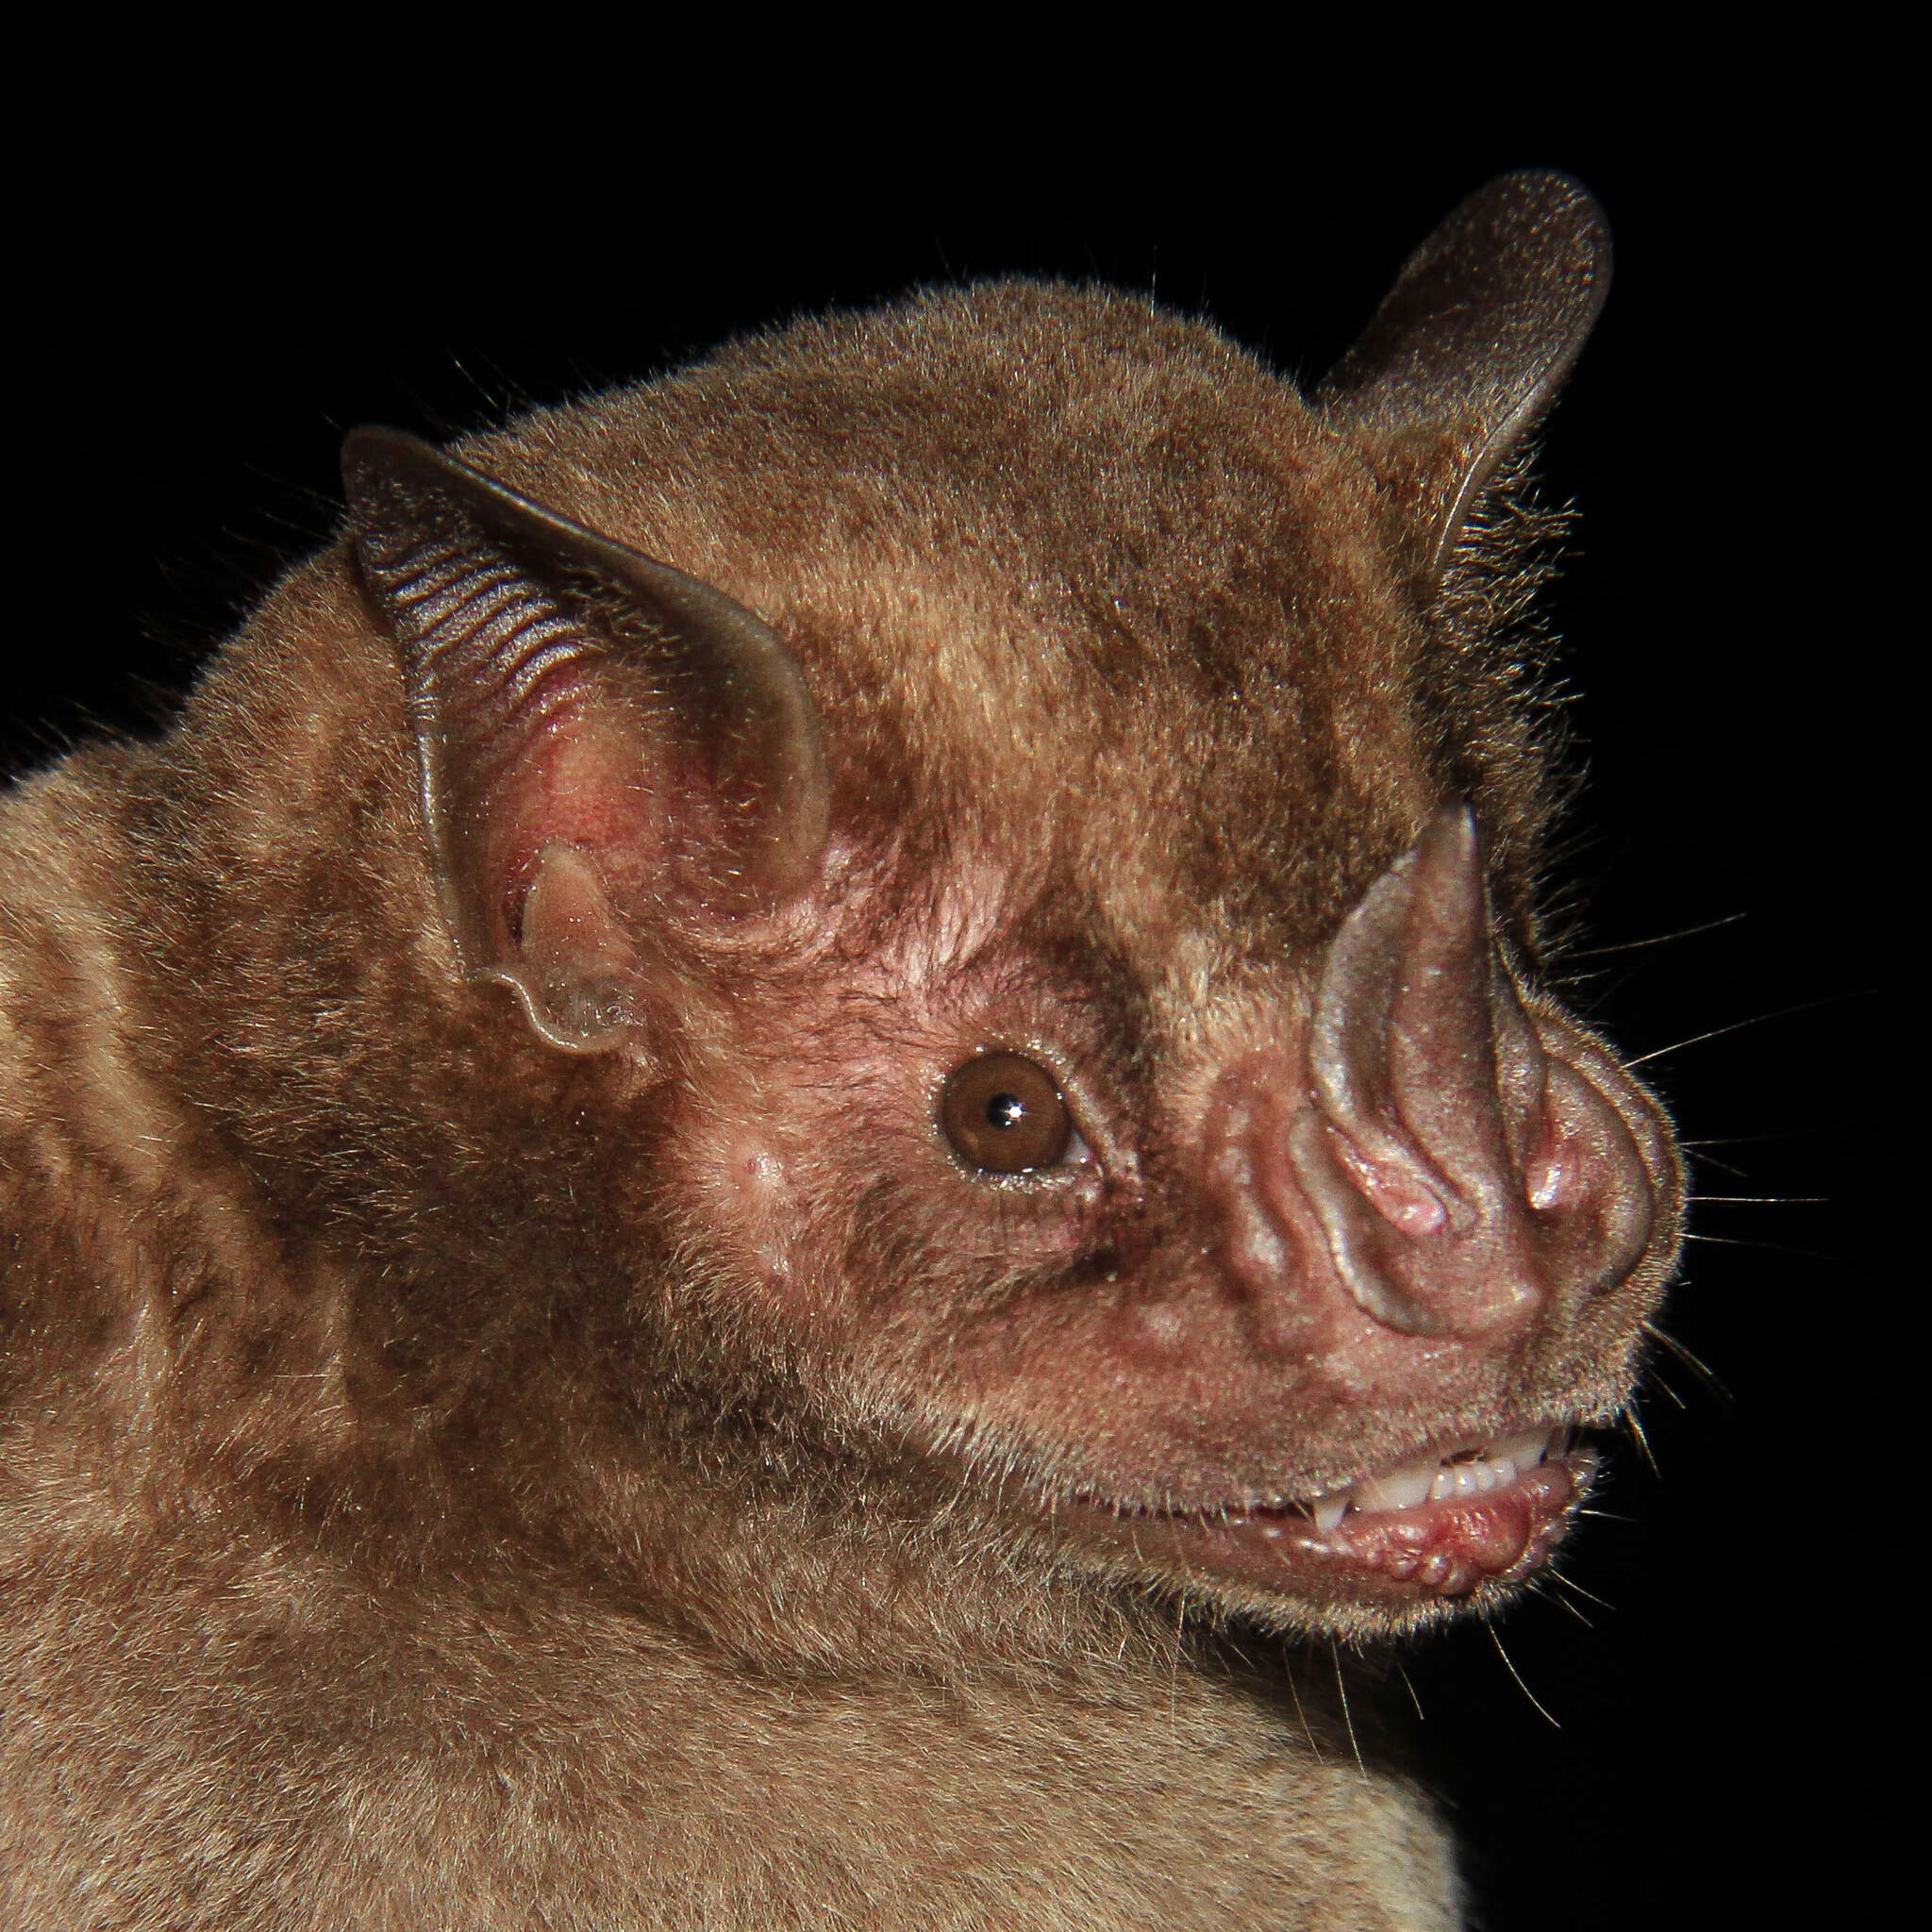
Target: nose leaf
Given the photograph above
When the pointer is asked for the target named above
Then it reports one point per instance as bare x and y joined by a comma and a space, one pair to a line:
1463, 1164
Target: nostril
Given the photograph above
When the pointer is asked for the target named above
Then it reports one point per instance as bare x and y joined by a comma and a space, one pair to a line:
1399, 1196
1550, 1178
1302, 1217
1358, 1232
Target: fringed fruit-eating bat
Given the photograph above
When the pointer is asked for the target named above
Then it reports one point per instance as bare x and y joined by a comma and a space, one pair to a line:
777, 1099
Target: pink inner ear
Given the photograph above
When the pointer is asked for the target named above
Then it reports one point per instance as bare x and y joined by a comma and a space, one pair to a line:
563, 801
560, 814
586, 782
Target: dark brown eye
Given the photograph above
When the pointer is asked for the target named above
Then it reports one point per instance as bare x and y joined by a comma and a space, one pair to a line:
1005, 1114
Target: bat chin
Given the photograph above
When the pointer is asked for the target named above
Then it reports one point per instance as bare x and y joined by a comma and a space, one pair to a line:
1459, 1522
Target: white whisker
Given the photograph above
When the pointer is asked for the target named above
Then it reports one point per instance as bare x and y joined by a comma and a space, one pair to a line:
1347, 1720
1663, 939
1517, 1675
1739, 1025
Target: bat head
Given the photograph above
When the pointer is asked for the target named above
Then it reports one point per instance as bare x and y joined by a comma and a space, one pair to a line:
1004, 808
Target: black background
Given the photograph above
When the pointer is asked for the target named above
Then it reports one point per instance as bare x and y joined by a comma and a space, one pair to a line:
202, 331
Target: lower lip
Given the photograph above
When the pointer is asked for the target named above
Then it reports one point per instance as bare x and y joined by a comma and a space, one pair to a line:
1432, 1550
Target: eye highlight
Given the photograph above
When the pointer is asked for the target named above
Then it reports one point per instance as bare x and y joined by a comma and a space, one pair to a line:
1003, 1114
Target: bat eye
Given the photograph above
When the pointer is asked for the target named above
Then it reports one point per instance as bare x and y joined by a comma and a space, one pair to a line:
1004, 1114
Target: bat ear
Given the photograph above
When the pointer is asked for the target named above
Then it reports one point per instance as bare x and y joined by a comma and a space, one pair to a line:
1471, 346
602, 740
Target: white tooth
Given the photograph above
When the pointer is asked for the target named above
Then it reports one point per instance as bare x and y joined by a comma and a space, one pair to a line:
1483, 1473
1443, 1486
1400, 1488
1524, 1451
1397, 1489
1506, 1471
1466, 1483
1329, 1509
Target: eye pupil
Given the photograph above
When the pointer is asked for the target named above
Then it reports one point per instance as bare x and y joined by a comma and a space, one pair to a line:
1003, 1113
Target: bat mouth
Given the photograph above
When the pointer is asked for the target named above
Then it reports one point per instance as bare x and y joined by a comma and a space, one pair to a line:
1435, 1524
1449, 1475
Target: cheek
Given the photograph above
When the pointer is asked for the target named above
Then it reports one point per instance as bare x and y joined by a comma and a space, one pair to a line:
755, 1195
760, 1188
773, 1176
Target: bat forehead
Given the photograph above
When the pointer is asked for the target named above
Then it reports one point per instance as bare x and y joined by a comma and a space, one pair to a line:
1092, 455
1061, 568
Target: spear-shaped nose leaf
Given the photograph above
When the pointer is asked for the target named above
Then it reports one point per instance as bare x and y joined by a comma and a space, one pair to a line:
1448, 1185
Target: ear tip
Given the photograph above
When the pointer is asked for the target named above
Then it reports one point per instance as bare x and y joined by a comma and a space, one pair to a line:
1551, 215
1548, 190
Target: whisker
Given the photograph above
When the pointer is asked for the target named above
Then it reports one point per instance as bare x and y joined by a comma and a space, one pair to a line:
1174, 1682
1702, 1370
1732, 1240
1517, 1675
1756, 1020
1634, 1423
1711, 1160
1676, 1400
1348, 1721
1408, 1685
1766, 1200
1536, 1590
1294, 1692
1557, 1575
1661, 938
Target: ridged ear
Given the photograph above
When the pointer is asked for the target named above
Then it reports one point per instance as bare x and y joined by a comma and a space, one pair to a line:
601, 737
1470, 347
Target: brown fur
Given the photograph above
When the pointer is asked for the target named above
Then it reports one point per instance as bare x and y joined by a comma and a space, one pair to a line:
452, 1483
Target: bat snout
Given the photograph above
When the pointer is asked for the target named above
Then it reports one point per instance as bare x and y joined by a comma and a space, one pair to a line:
1435, 1160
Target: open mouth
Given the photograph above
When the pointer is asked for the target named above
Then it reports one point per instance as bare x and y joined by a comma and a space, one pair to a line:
1435, 1524
1453, 1475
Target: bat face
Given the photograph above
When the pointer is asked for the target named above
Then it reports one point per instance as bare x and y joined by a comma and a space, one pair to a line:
1296, 1293
1016, 820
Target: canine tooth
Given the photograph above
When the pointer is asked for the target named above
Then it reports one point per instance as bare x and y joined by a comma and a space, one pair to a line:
1328, 1510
